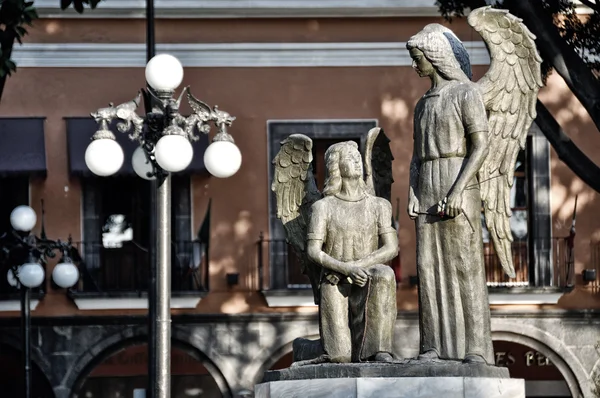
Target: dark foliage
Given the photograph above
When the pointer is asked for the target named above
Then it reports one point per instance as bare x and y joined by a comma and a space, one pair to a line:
15, 15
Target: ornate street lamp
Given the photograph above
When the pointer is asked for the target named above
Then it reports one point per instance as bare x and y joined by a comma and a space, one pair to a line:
24, 252
164, 137
164, 134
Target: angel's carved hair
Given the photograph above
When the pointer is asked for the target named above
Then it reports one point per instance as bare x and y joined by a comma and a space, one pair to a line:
444, 50
333, 177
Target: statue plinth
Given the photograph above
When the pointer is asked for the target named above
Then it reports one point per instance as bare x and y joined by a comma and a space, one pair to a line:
394, 387
401, 379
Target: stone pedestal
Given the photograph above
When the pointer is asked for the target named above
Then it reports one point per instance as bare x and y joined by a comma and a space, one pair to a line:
408, 378
394, 387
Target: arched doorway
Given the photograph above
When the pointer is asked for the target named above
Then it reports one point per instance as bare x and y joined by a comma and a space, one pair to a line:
12, 378
542, 378
124, 374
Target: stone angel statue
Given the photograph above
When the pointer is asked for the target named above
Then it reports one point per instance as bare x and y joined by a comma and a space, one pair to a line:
466, 140
343, 237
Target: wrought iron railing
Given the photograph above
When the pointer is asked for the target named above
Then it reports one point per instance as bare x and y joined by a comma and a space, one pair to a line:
595, 264
125, 269
562, 257
279, 268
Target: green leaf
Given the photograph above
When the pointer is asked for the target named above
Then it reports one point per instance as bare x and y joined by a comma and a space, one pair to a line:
64, 4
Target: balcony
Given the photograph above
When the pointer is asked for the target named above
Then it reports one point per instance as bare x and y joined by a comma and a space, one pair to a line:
283, 283
117, 277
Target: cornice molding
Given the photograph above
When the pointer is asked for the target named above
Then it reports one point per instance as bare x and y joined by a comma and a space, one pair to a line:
246, 9
226, 55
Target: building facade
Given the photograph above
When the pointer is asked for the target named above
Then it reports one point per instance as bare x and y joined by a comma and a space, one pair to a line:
329, 71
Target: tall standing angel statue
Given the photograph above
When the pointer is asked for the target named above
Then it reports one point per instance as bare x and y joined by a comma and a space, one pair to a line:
466, 140
343, 237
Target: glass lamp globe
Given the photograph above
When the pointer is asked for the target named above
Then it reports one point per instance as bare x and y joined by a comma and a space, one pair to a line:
164, 72
65, 274
104, 157
174, 153
31, 274
23, 218
222, 159
141, 164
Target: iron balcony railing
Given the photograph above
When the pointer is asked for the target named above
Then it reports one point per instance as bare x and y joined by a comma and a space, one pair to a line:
125, 269
279, 268
562, 263
595, 265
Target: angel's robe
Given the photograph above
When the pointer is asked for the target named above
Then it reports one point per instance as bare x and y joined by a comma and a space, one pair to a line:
453, 300
356, 322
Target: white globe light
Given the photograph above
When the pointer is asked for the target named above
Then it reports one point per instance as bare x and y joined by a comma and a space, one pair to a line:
104, 157
11, 278
65, 275
173, 153
222, 159
23, 218
164, 72
141, 164
31, 274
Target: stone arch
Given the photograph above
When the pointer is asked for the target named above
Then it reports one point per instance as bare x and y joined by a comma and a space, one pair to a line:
40, 367
552, 348
133, 336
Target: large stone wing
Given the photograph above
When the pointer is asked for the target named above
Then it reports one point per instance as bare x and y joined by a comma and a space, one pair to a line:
378, 164
295, 189
509, 89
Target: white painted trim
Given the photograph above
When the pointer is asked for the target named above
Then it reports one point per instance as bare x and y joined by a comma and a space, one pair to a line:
226, 55
165, 9
246, 9
291, 300
15, 305
524, 298
130, 303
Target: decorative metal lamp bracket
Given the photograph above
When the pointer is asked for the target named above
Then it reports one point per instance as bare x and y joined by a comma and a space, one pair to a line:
33, 248
162, 118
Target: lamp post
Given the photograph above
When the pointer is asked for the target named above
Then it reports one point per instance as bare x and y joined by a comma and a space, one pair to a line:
164, 137
23, 252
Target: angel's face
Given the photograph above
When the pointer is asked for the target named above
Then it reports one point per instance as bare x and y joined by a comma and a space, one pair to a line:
420, 64
351, 163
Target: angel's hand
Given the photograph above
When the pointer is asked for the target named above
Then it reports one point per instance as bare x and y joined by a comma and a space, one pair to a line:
413, 207
453, 206
358, 275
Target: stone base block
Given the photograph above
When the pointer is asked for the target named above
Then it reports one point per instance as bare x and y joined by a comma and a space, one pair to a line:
394, 387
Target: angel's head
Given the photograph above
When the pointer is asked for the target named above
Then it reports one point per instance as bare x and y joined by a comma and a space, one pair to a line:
343, 160
436, 49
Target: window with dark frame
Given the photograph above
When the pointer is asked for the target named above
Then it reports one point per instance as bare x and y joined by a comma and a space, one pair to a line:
518, 224
116, 231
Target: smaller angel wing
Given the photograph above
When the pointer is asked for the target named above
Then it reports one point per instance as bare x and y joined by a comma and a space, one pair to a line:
199, 107
295, 189
378, 164
509, 89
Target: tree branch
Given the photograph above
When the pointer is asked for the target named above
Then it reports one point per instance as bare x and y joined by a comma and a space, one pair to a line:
567, 63
7, 43
566, 149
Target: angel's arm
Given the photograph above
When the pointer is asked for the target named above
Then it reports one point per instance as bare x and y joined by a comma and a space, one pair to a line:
415, 166
316, 236
388, 235
476, 130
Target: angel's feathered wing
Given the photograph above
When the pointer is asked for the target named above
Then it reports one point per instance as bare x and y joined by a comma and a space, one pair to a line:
378, 164
509, 89
295, 189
